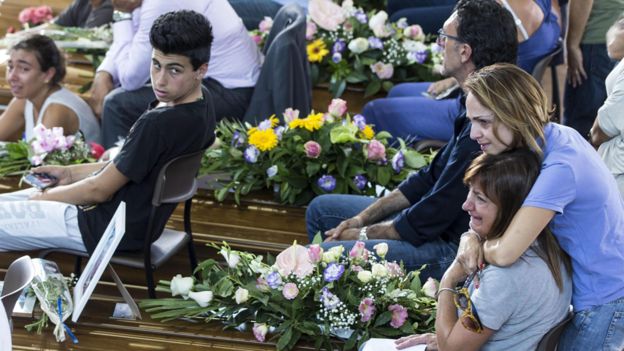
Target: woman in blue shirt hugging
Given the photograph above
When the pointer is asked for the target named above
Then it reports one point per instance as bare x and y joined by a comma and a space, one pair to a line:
574, 195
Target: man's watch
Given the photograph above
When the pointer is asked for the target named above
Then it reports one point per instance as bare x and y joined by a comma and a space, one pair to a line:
363, 235
119, 16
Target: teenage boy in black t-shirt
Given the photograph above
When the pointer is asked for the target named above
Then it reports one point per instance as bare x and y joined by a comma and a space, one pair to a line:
180, 122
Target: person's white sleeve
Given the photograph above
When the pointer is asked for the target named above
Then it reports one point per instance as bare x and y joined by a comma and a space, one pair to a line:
610, 116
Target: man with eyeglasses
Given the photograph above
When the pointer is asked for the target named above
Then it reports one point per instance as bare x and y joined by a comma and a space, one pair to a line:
422, 220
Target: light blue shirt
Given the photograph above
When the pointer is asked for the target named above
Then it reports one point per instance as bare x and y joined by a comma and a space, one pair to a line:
589, 215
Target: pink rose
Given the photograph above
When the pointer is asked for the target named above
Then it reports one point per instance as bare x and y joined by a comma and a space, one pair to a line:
358, 251
315, 253
290, 291
367, 309
399, 315
256, 39
337, 107
383, 70
414, 32
260, 331
265, 25
312, 149
26, 15
376, 151
294, 260
311, 30
41, 14
326, 14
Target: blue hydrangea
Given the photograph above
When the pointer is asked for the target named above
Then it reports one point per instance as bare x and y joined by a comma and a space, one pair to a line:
333, 272
274, 280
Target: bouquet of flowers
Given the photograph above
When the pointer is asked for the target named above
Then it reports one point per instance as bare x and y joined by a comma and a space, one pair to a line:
307, 293
318, 154
347, 45
51, 147
32, 16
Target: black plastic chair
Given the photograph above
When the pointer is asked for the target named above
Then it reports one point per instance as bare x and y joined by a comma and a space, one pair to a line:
551, 339
175, 183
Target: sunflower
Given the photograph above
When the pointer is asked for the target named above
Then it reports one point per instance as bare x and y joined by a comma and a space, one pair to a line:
317, 50
264, 140
367, 132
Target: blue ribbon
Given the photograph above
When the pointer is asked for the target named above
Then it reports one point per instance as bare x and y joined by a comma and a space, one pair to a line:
60, 313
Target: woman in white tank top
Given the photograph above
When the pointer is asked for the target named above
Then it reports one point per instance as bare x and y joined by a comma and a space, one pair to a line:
34, 72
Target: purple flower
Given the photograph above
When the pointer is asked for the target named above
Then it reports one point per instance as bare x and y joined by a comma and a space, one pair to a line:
367, 309
274, 280
272, 171
360, 181
375, 43
360, 16
333, 272
418, 56
251, 154
237, 139
399, 315
279, 131
359, 121
266, 124
402, 23
312, 149
337, 57
327, 183
330, 301
398, 162
339, 46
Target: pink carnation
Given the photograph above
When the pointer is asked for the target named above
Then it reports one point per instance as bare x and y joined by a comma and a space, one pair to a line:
290, 291
367, 309
399, 315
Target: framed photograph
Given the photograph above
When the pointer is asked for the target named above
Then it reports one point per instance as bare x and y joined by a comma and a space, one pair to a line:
99, 260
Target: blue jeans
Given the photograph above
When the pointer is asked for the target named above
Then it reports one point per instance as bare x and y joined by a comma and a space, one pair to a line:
327, 211
408, 115
581, 104
597, 328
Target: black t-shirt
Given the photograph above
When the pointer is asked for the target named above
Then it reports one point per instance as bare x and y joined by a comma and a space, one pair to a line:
157, 137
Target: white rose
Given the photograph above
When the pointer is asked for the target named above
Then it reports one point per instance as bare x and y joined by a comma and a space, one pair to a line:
414, 46
241, 295
365, 276
202, 298
430, 288
379, 270
358, 45
377, 24
181, 286
381, 249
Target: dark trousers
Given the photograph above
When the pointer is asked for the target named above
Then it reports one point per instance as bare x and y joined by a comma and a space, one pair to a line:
581, 104
122, 108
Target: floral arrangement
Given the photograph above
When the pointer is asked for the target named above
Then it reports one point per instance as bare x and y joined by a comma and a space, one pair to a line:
306, 294
32, 16
304, 157
347, 45
51, 147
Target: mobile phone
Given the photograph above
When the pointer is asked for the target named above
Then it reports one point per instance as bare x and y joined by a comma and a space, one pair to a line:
40, 180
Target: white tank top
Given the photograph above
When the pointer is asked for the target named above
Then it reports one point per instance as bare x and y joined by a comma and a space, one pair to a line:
87, 121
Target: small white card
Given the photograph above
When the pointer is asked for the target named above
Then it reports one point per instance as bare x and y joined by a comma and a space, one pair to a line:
388, 345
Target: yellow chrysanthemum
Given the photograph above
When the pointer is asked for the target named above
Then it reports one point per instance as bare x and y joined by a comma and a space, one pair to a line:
313, 122
274, 121
295, 123
368, 132
317, 50
264, 140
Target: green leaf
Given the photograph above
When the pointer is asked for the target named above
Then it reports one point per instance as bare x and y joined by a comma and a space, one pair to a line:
284, 339
383, 319
318, 239
372, 88
383, 135
414, 159
356, 77
312, 168
343, 134
383, 175
387, 85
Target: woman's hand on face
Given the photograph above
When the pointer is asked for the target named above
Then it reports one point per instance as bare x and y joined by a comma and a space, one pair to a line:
429, 339
470, 252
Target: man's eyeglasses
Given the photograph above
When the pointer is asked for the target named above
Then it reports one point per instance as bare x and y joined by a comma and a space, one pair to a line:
443, 37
